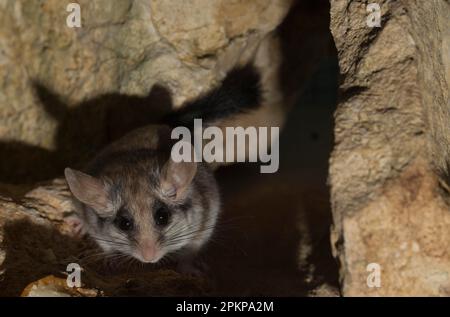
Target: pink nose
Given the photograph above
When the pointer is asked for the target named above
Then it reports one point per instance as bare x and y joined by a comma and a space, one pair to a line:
148, 251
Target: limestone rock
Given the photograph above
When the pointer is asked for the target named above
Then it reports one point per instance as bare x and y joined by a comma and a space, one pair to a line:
390, 160
122, 47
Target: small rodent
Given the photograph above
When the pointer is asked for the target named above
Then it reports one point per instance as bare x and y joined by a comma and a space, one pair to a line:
134, 199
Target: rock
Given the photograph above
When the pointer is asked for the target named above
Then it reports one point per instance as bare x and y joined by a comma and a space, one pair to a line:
389, 165
324, 290
123, 48
51, 286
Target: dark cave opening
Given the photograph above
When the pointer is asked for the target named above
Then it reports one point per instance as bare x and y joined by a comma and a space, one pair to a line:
279, 241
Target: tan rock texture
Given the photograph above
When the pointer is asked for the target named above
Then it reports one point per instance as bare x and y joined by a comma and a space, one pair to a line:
390, 162
55, 80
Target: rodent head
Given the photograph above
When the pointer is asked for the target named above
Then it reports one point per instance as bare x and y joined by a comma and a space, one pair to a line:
139, 207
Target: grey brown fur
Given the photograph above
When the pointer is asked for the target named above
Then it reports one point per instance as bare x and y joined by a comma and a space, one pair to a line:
131, 168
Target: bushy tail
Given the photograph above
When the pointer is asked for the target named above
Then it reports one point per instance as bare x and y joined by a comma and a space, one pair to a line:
239, 92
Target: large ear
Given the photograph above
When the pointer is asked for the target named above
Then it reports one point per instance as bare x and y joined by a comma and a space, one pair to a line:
89, 190
176, 178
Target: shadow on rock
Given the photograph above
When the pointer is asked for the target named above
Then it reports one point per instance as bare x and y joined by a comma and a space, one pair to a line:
82, 130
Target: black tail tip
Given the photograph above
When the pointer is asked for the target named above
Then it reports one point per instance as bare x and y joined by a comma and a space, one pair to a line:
239, 92
244, 82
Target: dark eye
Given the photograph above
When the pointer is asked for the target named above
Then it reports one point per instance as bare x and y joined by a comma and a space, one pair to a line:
124, 223
161, 216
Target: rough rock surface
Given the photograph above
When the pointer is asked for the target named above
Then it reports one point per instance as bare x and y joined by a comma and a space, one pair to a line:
123, 47
388, 169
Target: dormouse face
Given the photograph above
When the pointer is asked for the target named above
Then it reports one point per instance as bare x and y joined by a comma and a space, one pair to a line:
141, 210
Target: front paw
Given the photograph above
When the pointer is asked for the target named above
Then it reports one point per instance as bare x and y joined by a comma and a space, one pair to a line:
75, 225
